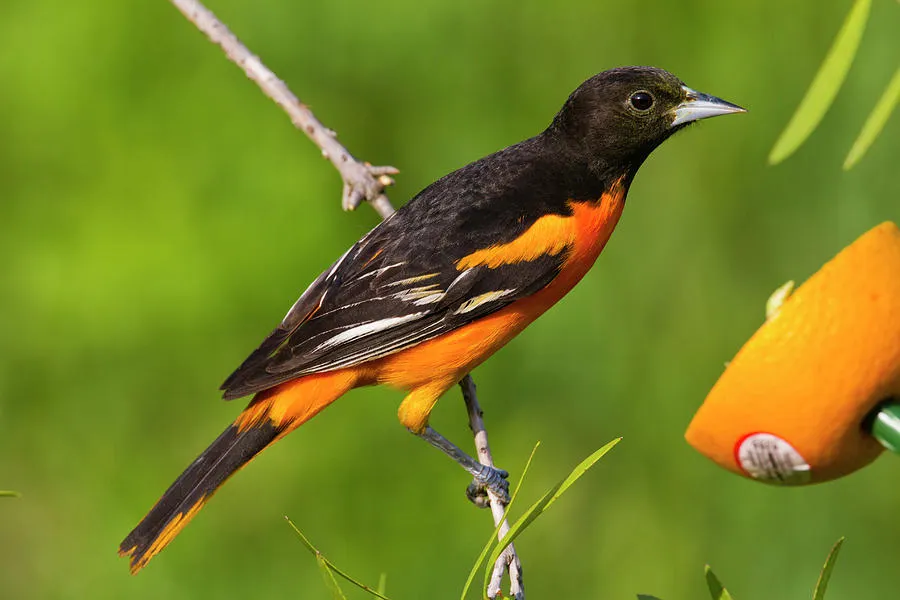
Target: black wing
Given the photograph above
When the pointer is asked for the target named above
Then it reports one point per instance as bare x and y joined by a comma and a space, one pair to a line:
400, 285
378, 299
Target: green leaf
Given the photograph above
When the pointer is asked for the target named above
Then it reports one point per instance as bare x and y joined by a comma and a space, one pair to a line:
9, 494
825, 575
825, 85
541, 506
493, 537
716, 589
329, 570
875, 123
382, 584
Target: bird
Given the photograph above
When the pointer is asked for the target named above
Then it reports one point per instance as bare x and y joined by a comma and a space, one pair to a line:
444, 282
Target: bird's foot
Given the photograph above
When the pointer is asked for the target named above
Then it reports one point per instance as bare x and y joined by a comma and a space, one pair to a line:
488, 479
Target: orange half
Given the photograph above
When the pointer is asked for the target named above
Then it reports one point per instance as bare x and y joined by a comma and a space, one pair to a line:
789, 409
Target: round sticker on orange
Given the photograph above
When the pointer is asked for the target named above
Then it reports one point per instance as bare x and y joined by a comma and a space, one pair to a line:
770, 459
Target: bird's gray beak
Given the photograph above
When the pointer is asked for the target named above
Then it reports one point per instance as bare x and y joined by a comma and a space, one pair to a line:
698, 106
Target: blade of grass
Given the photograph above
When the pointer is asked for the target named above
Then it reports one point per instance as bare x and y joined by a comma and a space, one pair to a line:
330, 582
382, 584
716, 589
330, 566
9, 494
541, 506
825, 575
875, 122
825, 85
493, 539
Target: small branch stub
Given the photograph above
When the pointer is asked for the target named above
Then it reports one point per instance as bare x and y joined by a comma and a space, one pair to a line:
361, 180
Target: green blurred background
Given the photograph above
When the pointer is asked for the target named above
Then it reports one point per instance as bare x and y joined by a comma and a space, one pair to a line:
158, 216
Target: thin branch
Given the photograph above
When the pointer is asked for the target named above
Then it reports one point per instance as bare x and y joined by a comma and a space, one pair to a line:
508, 560
362, 181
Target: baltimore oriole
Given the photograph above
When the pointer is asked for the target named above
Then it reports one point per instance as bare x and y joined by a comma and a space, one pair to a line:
446, 281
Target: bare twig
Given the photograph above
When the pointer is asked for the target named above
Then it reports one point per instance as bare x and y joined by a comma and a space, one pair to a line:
508, 560
362, 181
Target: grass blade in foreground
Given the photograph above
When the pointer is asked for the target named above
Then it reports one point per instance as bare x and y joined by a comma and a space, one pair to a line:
329, 570
716, 589
875, 122
539, 507
493, 539
9, 494
330, 581
825, 575
825, 85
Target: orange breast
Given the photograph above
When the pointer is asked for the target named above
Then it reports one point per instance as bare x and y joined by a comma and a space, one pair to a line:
452, 355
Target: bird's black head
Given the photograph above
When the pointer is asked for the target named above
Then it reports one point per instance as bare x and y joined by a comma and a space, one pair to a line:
616, 118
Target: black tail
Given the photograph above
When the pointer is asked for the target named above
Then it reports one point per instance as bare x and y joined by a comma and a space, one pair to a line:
231, 451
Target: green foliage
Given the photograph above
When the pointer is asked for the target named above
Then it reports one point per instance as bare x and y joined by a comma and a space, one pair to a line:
874, 125
330, 580
825, 575
825, 85
716, 590
329, 570
542, 505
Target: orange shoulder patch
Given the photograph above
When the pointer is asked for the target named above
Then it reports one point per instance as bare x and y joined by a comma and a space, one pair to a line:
550, 234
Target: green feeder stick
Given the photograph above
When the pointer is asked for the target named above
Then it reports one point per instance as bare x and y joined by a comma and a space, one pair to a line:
885, 425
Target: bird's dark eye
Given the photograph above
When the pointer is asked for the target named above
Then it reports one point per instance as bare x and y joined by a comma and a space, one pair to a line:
641, 100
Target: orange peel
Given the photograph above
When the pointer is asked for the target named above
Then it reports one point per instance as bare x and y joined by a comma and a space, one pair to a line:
791, 407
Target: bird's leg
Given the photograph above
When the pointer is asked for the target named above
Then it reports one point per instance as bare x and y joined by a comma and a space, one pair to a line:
491, 478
